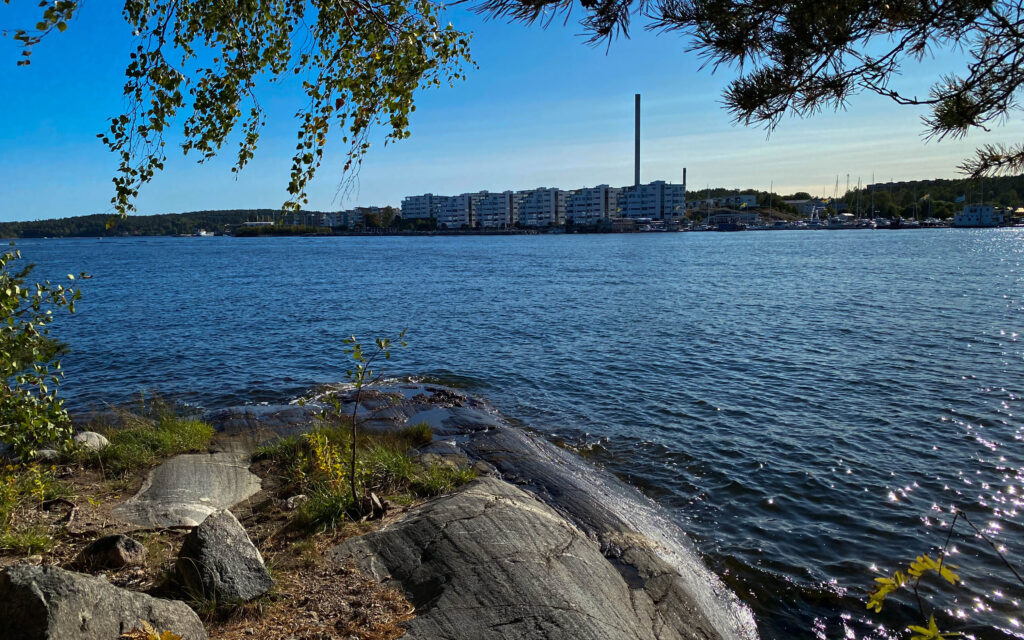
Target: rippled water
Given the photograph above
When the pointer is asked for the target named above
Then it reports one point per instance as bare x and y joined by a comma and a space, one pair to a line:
810, 405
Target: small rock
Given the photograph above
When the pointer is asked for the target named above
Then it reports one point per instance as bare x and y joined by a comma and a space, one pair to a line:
49, 603
113, 552
7, 452
46, 455
484, 469
92, 440
34, 560
452, 461
296, 501
219, 562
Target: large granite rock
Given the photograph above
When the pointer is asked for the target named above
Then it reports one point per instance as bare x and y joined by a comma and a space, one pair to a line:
186, 489
219, 562
493, 561
47, 603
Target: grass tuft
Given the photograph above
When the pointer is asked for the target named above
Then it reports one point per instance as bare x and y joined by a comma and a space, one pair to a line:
141, 442
26, 541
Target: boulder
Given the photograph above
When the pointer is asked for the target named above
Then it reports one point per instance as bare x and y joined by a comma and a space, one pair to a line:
48, 603
112, 552
92, 440
219, 562
493, 561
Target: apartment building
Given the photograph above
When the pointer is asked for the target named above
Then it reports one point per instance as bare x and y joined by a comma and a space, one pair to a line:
658, 200
496, 210
422, 207
588, 206
456, 212
543, 207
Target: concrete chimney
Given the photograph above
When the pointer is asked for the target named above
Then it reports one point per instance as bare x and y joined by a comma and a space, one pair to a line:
636, 150
684, 179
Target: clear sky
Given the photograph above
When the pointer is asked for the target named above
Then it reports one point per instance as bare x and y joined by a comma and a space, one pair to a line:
543, 109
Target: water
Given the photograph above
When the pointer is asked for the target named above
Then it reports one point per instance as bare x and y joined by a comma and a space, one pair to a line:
808, 405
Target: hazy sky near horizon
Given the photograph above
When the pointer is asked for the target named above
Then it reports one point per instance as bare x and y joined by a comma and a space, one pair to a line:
542, 109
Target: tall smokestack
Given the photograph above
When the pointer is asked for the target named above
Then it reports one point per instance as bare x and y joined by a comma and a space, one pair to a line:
636, 150
684, 179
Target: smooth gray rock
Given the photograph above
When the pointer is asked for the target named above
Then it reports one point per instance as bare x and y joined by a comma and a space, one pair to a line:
634, 532
92, 440
219, 562
47, 603
492, 561
112, 552
46, 455
186, 489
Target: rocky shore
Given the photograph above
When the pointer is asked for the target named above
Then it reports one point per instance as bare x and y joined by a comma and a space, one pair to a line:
540, 545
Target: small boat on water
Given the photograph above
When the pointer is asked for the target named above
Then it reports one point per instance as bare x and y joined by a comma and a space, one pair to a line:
731, 226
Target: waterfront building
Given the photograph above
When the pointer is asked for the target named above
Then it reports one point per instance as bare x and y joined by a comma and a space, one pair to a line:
496, 210
748, 218
590, 205
658, 200
543, 207
978, 215
350, 218
456, 212
735, 201
422, 207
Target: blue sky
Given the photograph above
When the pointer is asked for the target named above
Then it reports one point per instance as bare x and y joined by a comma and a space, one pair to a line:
543, 109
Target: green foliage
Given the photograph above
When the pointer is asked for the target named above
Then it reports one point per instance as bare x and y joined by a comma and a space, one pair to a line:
418, 434
31, 414
315, 464
360, 376
24, 487
923, 567
358, 65
440, 479
141, 441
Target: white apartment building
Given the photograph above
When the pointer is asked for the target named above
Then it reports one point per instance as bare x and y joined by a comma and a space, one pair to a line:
543, 207
456, 212
496, 210
422, 207
658, 200
590, 205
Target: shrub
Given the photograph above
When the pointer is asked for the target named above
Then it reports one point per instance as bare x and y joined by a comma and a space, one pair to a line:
31, 414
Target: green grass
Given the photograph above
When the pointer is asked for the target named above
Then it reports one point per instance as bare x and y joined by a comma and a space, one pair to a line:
317, 465
25, 486
27, 541
140, 442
